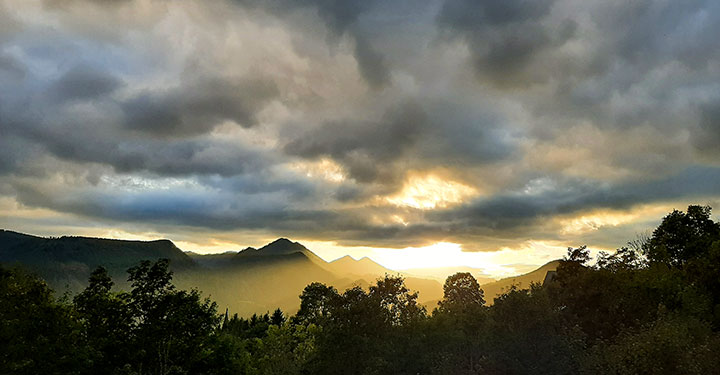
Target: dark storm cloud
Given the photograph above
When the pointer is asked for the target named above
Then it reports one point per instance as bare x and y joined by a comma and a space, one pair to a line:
14, 152
707, 137
60, 3
222, 211
415, 134
595, 54
385, 139
79, 143
371, 63
340, 18
10, 67
649, 32
508, 211
104, 129
84, 82
464, 133
504, 37
644, 63
197, 107
364, 147
262, 182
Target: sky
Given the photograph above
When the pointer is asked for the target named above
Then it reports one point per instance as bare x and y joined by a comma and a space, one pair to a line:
491, 134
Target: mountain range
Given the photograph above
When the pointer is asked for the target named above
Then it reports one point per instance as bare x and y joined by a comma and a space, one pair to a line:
245, 282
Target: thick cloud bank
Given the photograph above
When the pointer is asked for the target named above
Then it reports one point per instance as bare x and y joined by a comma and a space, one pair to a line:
393, 124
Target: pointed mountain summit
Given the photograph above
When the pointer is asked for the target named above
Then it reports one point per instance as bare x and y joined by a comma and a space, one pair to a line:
281, 246
280, 249
364, 266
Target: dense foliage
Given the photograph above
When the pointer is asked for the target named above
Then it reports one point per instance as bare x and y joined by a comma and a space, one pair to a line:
650, 308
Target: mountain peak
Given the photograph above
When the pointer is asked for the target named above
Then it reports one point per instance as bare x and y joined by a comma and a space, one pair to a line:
344, 259
281, 241
362, 267
281, 246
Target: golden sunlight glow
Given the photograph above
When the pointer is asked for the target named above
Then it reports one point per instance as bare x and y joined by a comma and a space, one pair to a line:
437, 255
19, 211
604, 218
431, 192
324, 168
496, 264
501, 263
588, 223
400, 220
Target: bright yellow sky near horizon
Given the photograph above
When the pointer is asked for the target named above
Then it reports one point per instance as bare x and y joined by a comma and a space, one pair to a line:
494, 264
503, 262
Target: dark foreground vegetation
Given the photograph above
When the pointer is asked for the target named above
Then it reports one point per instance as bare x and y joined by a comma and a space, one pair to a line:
650, 308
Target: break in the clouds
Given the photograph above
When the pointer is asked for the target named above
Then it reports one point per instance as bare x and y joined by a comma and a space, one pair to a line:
364, 123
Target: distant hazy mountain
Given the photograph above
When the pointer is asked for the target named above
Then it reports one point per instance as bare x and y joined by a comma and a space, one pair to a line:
367, 271
281, 246
278, 248
496, 288
363, 267
212, 260
246, 282
259, 280
275, 275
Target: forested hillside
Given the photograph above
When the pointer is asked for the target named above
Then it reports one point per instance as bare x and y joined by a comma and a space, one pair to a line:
246, 282
650, 308
66, 262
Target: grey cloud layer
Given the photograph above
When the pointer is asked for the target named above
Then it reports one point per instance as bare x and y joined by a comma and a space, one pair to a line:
505, 37
84, 83
234, 98
197, 107
340, 18
363, 147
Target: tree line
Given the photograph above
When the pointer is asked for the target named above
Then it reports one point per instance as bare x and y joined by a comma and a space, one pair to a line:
652, 307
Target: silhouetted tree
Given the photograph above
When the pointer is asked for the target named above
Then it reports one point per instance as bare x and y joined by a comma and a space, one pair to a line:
398, 305
277, 318
682, 236
173, 328
461, 293
287, 349
108, 321
671, 345
528, 335
369, 332
457, 333
315, 302
37, 334
624, 259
